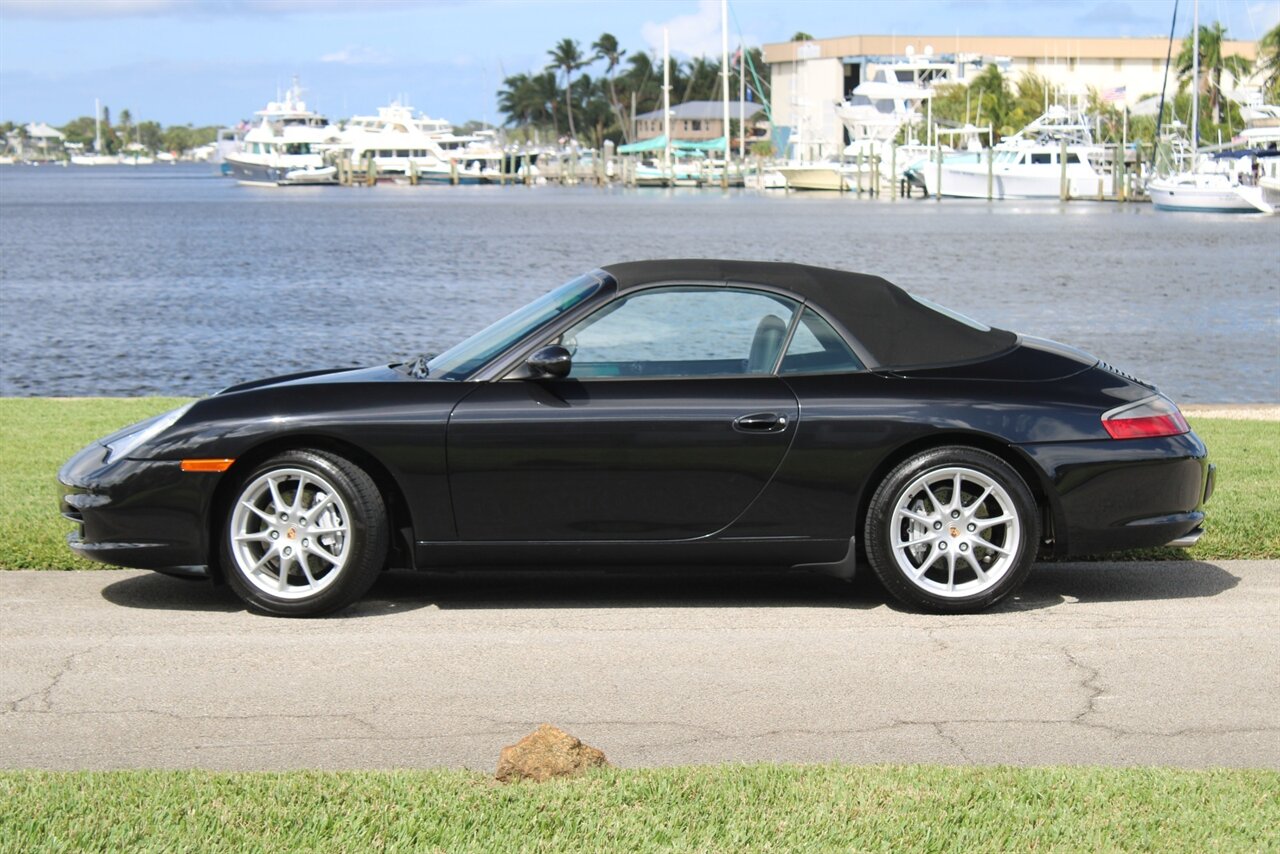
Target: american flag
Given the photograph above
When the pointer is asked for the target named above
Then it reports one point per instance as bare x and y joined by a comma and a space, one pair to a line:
1114, 94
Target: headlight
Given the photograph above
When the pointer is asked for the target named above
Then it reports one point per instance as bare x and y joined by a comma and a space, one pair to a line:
147, 430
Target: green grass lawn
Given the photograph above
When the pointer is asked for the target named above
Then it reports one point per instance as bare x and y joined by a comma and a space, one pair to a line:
38, 434
729, 808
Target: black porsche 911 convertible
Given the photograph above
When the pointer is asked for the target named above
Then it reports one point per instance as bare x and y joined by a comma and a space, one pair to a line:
664, 412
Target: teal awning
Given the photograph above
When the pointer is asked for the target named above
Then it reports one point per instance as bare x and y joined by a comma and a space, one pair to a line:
655, 144
706, 145
658, 143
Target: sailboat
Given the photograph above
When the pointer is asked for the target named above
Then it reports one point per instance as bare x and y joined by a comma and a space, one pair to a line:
97, 158
1212, 184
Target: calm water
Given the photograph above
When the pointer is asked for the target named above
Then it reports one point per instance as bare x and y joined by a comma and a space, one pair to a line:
168, 280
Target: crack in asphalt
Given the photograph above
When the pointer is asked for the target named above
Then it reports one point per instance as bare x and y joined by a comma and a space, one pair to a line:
45, 694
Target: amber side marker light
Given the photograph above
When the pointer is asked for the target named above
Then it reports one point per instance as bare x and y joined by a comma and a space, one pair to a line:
1149, 418
206, 465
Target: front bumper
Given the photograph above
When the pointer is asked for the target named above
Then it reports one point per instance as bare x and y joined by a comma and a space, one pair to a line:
146, 514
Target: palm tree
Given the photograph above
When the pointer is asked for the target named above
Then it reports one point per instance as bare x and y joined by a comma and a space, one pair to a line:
1269, 59
515, 99
567, 57
548, 95
704, 79
606, 48
1212, 63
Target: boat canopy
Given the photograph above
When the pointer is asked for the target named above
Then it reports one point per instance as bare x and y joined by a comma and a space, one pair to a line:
660, 142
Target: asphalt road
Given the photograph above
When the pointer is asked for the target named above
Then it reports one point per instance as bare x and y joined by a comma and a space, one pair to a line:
1114, 664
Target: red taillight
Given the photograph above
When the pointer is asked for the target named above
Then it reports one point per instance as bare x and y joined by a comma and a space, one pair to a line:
1146, 419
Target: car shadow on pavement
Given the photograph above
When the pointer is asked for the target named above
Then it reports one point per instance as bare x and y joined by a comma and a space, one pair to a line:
665, 587
162, 592
1052, 584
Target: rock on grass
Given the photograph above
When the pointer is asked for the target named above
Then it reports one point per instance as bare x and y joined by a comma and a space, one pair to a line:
547, 752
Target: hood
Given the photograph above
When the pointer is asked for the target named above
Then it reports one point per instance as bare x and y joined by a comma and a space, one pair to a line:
376, 374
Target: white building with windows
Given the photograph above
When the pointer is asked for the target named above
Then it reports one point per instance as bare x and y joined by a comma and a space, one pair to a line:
809, 78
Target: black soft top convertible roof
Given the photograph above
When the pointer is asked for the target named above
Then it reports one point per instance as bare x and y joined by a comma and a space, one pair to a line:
896, 331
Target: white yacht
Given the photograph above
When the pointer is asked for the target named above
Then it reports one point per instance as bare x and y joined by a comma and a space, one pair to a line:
1027, 165
878, 108
400, 143
286, 146
872, 115
1199, 191
1236, 181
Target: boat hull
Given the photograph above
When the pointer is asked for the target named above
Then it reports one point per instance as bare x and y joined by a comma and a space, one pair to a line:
95, 160
969, 181
1203, 199
273, 175
813, 178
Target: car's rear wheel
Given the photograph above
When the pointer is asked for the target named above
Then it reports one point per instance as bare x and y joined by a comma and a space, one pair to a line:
306, 534
952, 530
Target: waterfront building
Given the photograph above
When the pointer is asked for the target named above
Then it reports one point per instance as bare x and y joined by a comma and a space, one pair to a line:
36, 139
699, 121
810, 78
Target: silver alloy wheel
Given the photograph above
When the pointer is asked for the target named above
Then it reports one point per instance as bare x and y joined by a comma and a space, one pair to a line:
290, 533
955, 532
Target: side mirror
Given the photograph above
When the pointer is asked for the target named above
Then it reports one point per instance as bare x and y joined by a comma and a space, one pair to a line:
551, 361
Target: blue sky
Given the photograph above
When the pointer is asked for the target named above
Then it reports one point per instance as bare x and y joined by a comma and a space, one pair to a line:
216, 61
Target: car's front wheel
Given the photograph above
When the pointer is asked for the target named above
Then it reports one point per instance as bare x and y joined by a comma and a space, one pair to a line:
306, 534
952, 530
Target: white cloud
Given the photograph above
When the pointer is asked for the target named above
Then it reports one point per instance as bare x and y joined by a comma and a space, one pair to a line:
357, 55
695, 34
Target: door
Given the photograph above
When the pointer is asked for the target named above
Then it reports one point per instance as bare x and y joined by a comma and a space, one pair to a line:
670, 423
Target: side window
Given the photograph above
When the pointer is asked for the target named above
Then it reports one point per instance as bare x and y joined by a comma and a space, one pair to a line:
682, 332
817, 348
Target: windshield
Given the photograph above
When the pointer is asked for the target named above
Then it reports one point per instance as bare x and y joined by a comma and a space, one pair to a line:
461, 360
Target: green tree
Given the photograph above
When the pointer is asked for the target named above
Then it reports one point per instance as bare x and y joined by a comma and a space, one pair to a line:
802, 36
1212, 65
606, 48
702, 82
1269, 62
151, 135
567, 57
79, 130
179, 138
126, 126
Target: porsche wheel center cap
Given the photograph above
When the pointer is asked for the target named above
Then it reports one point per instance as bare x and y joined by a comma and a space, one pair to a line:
292, 533
955, 532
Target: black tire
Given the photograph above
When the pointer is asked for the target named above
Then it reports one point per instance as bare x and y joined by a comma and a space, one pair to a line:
349, 528
910, 539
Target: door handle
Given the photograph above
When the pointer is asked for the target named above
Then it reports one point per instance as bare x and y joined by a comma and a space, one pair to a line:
761, 422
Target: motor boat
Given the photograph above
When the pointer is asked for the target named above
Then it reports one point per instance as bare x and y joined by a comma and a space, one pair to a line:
286, 146
1028, 164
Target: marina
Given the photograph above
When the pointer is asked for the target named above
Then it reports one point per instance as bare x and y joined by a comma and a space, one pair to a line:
206, 282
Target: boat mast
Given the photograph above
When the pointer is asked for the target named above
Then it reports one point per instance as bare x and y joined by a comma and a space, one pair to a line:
1168, 59
666, 100
742, 101
724, 74
1195, 83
